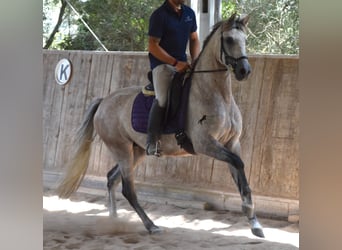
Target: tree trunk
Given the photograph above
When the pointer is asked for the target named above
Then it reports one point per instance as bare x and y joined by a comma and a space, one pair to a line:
58, 24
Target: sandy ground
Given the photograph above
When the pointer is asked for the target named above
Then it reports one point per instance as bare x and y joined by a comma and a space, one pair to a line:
82, 222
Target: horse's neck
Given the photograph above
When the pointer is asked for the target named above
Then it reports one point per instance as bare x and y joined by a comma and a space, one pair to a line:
213, 83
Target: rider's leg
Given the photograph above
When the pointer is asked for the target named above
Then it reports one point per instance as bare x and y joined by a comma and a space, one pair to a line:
155, 121
162, 78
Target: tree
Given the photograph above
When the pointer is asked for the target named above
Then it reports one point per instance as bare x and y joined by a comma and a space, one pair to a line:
120, 25
274, 24
58, 24
123, 24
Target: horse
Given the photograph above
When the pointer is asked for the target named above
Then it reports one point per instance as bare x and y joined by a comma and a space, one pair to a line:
223, 54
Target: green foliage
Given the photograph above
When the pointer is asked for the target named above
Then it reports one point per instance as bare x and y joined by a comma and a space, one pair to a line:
123, 24
274, 24
48, 7
119, 24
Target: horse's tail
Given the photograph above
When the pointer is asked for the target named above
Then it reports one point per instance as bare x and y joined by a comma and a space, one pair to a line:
77, 167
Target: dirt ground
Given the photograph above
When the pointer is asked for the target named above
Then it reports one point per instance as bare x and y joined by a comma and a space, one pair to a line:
82, 222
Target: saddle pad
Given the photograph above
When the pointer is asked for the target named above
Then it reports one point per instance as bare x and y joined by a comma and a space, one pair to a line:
140, 111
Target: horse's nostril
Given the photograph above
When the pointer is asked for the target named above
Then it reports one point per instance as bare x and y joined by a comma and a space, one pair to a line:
242, 72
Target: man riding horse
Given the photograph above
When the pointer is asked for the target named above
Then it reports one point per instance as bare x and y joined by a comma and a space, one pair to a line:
171, 26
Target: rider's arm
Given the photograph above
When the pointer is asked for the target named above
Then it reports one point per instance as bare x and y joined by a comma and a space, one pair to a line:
194, 46
158, 52
162, 55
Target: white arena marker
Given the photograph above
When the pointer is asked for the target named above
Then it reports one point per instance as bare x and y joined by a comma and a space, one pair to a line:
63, 71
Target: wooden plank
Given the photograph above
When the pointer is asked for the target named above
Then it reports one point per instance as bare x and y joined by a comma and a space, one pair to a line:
202, 171
105, 159
265, 108
156, 168
108, 75
247, 97
272, 175
285, 134
181, 172
73, 105
116, 74
48, 121
140, 68
53, 101
96, 83
286, 119
221, 177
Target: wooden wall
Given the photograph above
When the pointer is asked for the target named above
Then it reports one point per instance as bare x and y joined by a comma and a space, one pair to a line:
269, 103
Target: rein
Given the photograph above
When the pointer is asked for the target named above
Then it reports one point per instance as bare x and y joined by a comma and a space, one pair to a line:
209, 70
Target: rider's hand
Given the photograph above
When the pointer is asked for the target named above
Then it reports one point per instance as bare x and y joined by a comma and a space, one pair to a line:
182, 66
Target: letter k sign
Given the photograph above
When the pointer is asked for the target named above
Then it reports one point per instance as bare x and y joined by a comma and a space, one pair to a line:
63, 71
63, 76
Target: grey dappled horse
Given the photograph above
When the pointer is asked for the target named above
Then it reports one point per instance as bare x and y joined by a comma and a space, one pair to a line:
218, 137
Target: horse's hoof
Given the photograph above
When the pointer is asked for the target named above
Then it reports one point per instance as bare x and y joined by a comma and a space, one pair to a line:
155, 230
113, 214
256, 227
258, 232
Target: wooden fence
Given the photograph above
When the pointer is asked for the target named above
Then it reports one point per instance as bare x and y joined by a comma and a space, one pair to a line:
268, 100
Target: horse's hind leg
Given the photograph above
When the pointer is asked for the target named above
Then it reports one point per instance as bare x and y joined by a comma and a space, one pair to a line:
113, 179
241, 182
128, 157
129, 192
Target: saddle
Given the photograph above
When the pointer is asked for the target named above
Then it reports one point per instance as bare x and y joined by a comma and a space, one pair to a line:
176, 110
148, 90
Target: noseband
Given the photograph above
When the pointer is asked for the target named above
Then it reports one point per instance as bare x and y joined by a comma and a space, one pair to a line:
230, 60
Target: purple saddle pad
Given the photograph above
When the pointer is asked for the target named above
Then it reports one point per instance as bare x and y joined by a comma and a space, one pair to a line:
140, 111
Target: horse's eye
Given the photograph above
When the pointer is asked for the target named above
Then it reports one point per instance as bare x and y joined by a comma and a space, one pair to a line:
230, 40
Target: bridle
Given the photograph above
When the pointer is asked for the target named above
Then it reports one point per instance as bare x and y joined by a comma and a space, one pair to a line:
229, 60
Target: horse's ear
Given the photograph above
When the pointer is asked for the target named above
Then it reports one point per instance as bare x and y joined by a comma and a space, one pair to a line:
244, 18
232, 18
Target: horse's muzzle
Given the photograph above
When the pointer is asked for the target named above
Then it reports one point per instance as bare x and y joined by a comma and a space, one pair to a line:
242, 70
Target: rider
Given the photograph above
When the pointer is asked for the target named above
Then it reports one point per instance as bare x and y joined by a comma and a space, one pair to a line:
171, 26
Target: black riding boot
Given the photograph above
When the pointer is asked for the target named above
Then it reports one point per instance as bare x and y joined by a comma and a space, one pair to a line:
154, 127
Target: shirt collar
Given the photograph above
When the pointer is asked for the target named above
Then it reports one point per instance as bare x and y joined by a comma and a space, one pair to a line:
168, 6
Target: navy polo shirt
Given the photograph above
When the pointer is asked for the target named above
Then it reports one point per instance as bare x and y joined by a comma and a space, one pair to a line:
173, 31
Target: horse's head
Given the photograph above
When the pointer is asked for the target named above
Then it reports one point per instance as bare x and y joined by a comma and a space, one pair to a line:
233, 45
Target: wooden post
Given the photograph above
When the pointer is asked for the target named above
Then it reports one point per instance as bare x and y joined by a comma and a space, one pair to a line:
208, 13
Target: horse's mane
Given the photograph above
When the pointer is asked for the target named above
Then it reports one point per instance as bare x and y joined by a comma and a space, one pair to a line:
205, 43
207, 39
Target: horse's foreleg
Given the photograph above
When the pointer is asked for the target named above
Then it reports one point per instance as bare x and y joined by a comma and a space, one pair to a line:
113, 179
230, 154
241, 182
247, 203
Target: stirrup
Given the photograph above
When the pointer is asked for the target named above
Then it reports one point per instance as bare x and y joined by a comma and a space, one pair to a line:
156, 151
